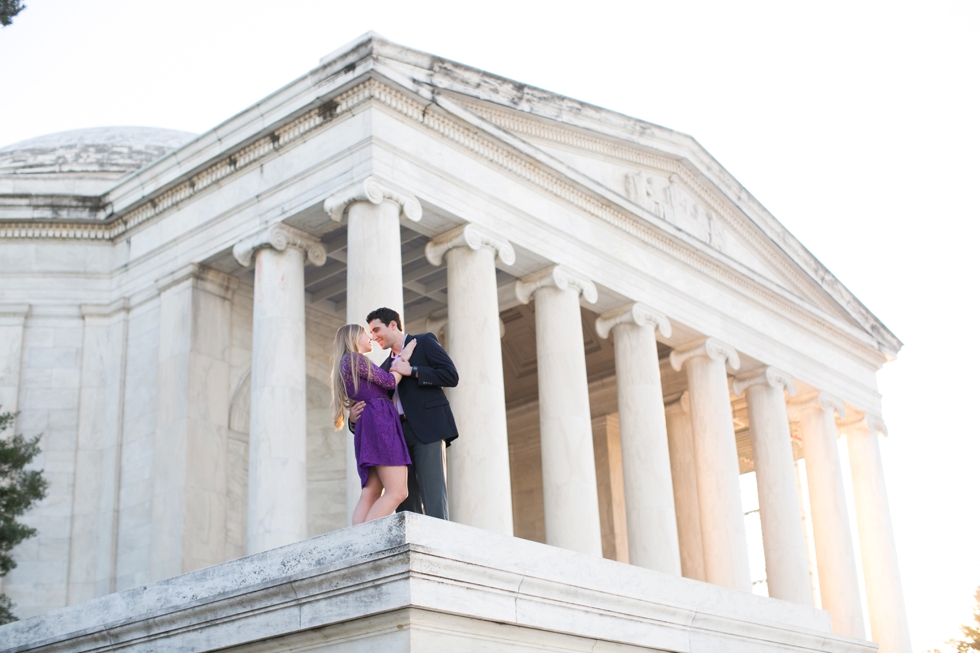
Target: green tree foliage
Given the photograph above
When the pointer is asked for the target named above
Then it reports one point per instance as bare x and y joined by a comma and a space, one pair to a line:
20, 489
971, 632
9, 9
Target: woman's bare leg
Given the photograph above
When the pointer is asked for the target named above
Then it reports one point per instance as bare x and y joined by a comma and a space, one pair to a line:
395, 482
369, 496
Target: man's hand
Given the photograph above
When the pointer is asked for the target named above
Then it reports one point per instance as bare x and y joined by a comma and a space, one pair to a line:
402, 367
355, 412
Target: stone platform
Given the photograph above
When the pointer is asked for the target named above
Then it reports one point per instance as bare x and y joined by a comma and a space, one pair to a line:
412, 583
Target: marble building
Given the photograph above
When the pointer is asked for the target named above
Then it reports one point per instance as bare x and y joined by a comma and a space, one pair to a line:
633, 330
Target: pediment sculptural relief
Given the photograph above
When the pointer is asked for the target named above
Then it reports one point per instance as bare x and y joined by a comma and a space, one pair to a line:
665, 199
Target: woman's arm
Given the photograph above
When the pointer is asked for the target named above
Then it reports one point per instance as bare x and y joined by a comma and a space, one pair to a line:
386, 380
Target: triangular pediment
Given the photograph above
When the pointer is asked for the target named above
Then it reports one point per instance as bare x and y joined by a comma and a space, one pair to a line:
663, 188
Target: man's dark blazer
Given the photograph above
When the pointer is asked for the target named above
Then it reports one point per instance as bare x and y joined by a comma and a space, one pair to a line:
423, 400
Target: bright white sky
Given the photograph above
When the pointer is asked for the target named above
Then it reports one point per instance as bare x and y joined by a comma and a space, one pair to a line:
855, 124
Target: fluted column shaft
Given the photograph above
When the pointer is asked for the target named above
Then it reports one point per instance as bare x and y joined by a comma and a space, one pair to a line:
571, 501
836, 565
277, 417
784, 543
683, 473
882, 581
479, 462
651, 522
726, 555
374, 267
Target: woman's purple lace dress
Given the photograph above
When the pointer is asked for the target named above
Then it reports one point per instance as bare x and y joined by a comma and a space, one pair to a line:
378, 437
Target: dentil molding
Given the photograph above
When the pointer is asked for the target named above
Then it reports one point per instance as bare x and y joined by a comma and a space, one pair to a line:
764, 376
635, 313
471, 236
280, 236
556, 276
375, 191
710, 347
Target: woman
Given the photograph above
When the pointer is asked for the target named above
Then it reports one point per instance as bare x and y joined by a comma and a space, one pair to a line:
379, 445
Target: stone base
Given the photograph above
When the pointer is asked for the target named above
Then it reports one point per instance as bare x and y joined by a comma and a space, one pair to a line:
412, 583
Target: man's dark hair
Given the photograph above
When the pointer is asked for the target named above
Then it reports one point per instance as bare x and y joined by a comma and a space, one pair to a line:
386, 315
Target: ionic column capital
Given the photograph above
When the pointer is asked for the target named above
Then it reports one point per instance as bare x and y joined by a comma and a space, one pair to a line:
556, 276
280, 236
710, 347
635, 313
469, 235
375, 191
764, 376
858, 422
817, 400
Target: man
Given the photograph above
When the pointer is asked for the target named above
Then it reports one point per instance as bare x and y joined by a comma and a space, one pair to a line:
427, 420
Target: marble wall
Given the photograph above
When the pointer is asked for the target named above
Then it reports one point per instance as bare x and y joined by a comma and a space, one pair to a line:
50, 378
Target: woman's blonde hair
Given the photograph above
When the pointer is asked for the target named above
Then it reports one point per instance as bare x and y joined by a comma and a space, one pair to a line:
345, 345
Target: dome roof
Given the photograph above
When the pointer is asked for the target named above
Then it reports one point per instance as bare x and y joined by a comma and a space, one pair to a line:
98, 149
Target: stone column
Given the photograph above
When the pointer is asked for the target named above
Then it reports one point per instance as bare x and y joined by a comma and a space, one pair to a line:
479, 462
94, 501
683, 472
836, 564
277, 418
882, 581
190, 446
650, 518
374, 267
726, 554
571, 500
784, 543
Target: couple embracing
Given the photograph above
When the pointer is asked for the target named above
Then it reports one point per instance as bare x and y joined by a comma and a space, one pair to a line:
399, 415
